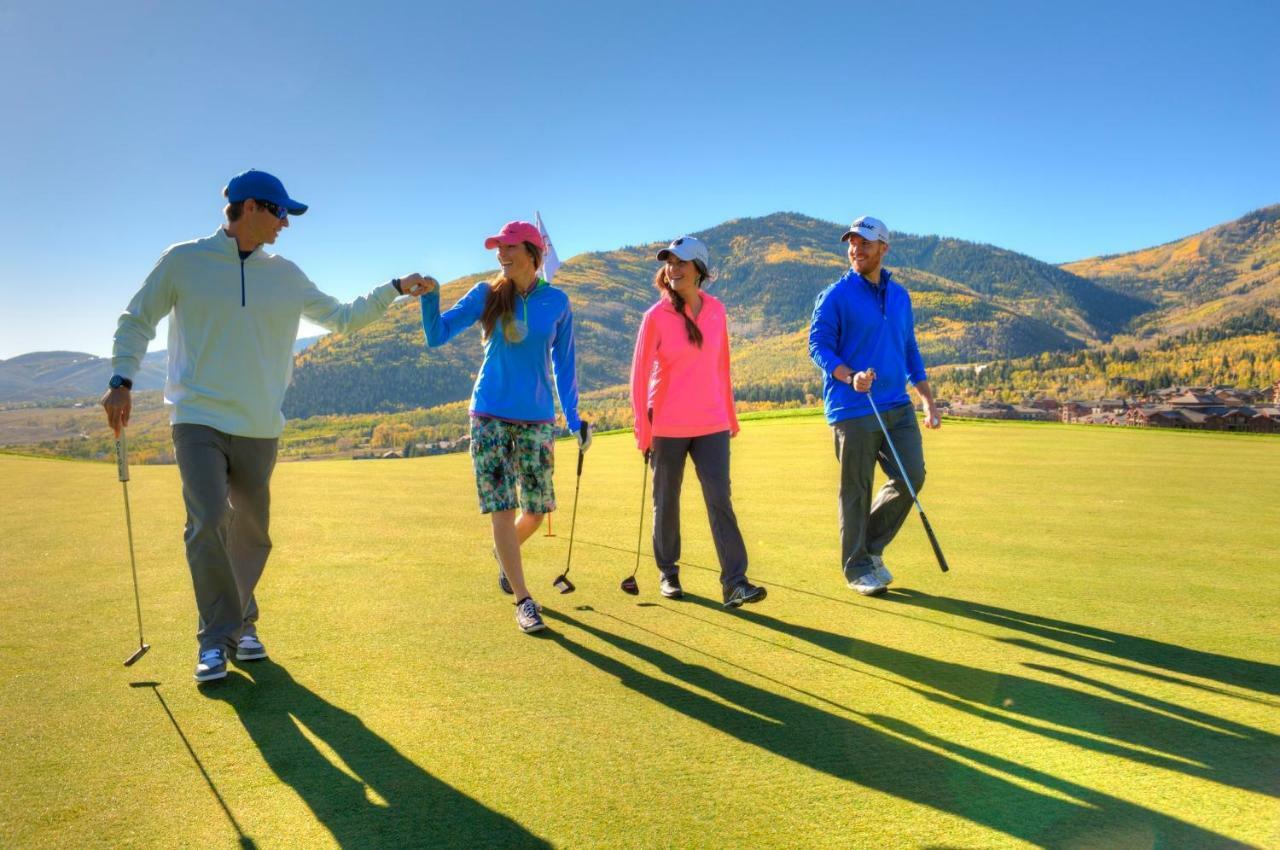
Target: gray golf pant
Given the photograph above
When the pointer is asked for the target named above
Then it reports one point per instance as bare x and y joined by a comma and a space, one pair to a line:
866, 526
226, 487
710, 455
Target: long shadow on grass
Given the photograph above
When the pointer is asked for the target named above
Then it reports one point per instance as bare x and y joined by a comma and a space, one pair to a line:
847, 599
392, 803
1254, 675
882, 753
245, 841
1183, 739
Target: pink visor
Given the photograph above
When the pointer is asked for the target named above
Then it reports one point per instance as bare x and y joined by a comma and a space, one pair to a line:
515, 232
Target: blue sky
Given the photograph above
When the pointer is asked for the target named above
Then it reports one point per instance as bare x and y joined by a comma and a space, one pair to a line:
414, 130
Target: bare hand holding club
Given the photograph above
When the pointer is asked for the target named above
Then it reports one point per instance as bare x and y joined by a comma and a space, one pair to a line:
118, 403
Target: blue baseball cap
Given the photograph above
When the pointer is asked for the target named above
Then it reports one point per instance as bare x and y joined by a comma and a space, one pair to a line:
261, 186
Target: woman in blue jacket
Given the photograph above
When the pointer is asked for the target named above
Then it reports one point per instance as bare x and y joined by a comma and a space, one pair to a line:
523, 319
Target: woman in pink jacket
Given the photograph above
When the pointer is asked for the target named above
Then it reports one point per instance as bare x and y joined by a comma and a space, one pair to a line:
683, 404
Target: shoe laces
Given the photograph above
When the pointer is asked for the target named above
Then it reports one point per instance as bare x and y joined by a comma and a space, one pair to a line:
211, 656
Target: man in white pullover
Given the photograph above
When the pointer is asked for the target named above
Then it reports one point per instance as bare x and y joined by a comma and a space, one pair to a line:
233, 315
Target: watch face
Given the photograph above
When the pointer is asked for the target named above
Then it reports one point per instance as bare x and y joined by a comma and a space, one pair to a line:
114, 382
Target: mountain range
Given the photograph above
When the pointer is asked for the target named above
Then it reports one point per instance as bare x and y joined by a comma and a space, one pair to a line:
50, 376
1199, 281
973, 303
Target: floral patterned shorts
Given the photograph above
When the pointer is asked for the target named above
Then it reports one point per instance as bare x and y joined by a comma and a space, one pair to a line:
510, 454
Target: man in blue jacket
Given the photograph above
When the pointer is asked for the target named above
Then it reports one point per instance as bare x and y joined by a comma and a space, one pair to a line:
863, 339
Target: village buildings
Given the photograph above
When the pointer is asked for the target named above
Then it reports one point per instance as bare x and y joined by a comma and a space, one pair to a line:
1204, 408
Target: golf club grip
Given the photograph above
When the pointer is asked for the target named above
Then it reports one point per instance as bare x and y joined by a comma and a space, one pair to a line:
122, 456
933, 541
580, 457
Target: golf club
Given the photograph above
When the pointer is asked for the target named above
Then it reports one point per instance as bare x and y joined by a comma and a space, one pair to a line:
928, 529
562, 582
629, 583
122, 466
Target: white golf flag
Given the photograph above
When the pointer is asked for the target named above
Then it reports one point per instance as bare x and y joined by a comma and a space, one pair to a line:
550, 262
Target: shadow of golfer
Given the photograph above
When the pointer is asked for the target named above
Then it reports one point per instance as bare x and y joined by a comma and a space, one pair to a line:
390, 802
1253, 675
1155, 732
246, 843
880, 753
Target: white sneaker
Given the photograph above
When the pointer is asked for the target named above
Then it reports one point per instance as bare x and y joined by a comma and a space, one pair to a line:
212, 664
250, 648
527, 616
869, 584
880, 571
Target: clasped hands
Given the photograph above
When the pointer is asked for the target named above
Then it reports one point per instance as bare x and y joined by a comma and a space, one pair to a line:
415, 285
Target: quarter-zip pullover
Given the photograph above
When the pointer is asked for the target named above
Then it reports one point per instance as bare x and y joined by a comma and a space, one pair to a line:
687, 387
232, 325
514, 381
861, 325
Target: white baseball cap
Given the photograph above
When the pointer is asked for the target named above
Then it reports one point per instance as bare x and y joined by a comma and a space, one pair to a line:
871, 229
687, 248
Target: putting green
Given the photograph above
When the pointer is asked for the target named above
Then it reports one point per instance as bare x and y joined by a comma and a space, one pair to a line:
1099, 669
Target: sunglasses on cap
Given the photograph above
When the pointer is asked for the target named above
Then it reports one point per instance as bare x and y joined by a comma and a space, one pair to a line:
275, 209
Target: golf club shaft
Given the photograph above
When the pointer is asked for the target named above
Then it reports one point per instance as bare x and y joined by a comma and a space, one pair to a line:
644, 483
122, 468
573, 523
906, 478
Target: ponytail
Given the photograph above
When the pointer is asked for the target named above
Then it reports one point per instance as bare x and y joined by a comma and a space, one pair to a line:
690, 327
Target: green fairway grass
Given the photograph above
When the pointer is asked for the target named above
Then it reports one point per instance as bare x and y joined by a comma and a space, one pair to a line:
1099, 669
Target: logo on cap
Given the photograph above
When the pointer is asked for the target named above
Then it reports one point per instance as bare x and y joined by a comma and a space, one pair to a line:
868, 228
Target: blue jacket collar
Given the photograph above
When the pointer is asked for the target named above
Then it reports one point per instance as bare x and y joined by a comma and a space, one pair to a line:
886, 278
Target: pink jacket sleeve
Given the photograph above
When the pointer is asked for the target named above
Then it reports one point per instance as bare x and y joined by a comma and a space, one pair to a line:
728, 382
641, 370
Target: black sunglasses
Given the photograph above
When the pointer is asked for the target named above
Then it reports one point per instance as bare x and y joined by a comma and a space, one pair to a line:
275, 209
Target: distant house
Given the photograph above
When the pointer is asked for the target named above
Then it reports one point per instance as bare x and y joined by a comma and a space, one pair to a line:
1235, 418
1192, 398
1233, 397
1265, 420
999, 410
1198, 418
1033, 414
1157, 416
1071, 411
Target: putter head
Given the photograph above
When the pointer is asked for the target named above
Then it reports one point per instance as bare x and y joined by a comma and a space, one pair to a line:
563, 584
138, 653
629, 586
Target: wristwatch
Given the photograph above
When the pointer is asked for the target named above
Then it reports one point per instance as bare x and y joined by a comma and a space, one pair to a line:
118, 381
